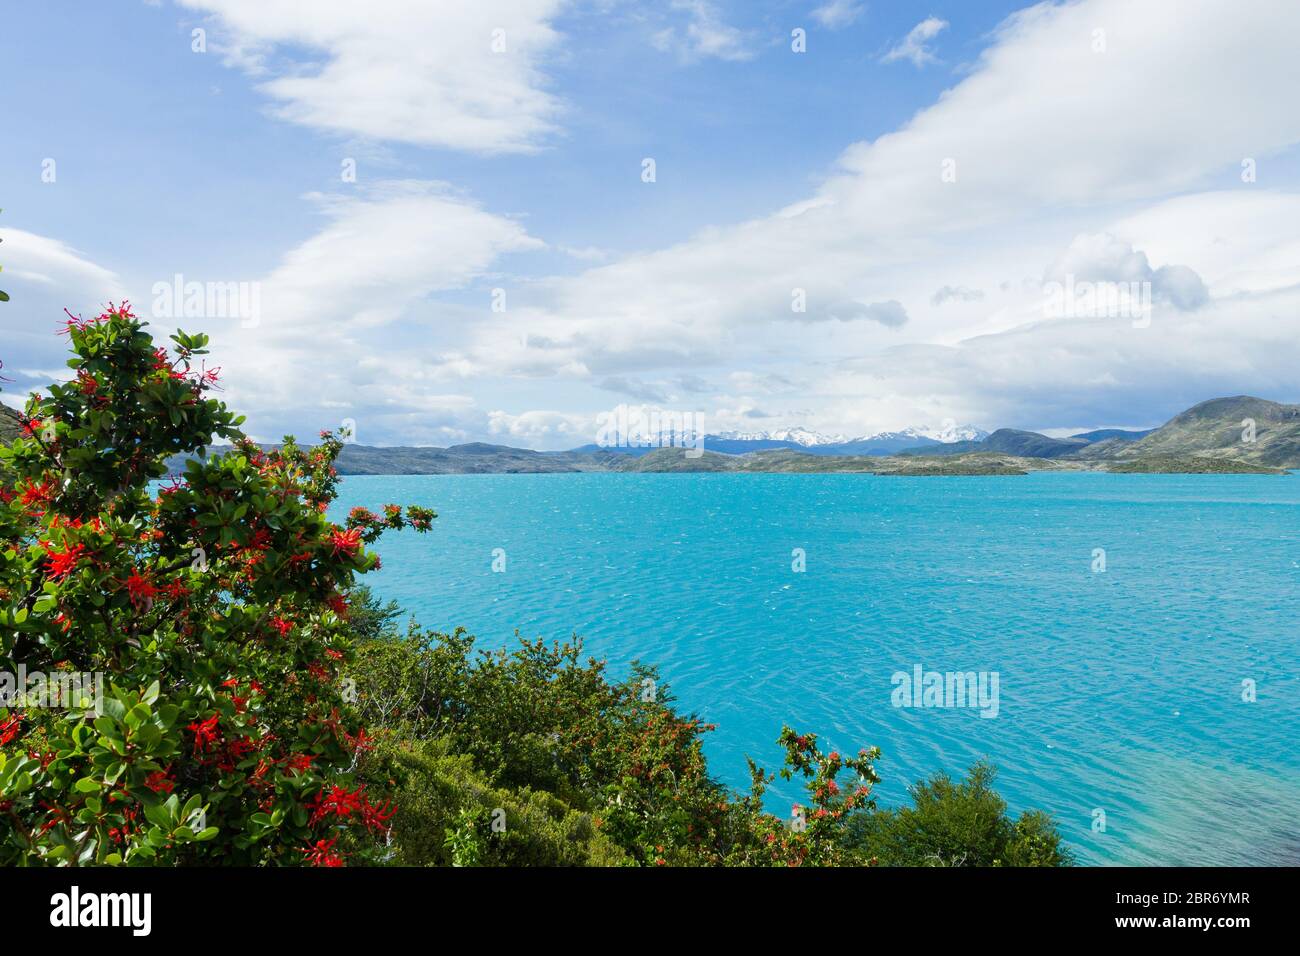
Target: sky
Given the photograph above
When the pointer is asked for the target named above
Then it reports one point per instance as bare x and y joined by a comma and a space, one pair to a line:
445, 222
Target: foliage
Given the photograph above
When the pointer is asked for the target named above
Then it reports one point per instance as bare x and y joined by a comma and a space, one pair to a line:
958, 824
213, 607
450, 814
540, 718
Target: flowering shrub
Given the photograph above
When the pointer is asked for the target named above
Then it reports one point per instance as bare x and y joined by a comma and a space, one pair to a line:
213, 605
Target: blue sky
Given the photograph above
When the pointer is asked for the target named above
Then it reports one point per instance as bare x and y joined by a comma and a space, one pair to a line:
520, 170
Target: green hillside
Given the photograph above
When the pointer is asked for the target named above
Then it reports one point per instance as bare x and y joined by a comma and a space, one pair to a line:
1218, 429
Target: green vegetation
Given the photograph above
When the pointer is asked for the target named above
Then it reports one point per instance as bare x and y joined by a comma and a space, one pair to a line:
1189, 465
957, 824
1248, 429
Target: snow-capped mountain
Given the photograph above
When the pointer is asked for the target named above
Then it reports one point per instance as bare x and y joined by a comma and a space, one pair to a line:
947, 433
795, 436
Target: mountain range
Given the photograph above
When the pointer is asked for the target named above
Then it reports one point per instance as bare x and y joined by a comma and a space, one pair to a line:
1211, 437
1240, 433
816, 443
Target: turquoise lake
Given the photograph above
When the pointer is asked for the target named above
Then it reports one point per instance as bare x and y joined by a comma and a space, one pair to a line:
1119, 691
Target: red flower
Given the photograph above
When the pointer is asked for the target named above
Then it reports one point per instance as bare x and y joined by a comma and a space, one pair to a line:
281, 625
375, 817
300, 763
160, 782
205, 733
74, 322
321, 853
346, 542
9, 729
174, 589
63, 563
338, 802
35, 494
141, 588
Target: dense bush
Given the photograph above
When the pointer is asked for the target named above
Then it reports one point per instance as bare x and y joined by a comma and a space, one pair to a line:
958, 824
214, 607
449, 813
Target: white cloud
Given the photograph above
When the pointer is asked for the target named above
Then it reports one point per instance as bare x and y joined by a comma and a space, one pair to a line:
703, 34
43, 276
542, 429
1117, 163
1101, 257
329, 329
329, 344
1085, 143
913, 47
411, 71
838, 13
379, 254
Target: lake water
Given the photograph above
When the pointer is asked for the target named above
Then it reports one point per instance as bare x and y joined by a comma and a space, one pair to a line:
1118, 690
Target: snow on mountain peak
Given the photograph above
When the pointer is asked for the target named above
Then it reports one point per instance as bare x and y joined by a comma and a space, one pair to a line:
947, 433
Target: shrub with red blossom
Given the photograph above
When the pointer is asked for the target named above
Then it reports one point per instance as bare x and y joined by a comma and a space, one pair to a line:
213, 606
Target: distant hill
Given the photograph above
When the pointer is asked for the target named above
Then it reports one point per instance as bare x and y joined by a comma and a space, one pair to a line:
1105, 434
789, 462
476, 458
1219, 429
1008, 441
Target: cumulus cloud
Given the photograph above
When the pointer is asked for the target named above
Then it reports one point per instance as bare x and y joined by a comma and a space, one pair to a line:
1101, 257
838, 13
43, 276
886, 223
378, 254
550, 430
329, 325
466, 76
702, 33
914, 48
1090, 370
